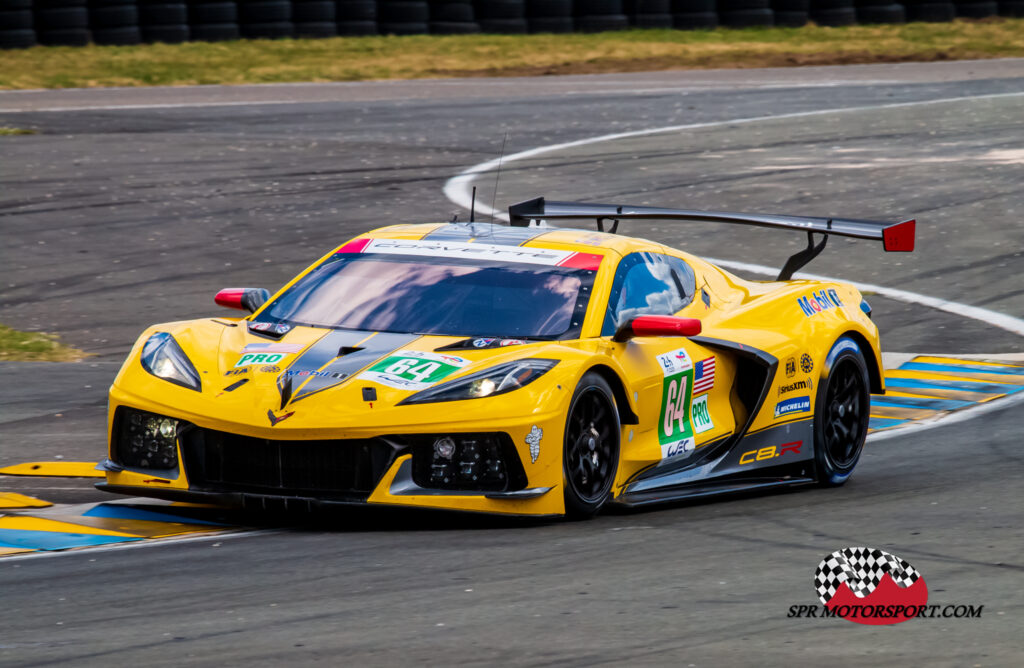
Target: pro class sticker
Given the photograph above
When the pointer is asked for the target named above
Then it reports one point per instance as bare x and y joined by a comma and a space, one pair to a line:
675, 432
413, 369
794, 405
248, 359
266, 353
700, 415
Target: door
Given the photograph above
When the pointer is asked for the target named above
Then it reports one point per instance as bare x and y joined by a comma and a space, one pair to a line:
681, 398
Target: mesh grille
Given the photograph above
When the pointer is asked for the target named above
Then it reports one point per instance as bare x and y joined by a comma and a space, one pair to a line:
223, 462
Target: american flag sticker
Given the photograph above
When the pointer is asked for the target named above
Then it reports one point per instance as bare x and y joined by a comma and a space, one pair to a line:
704, 375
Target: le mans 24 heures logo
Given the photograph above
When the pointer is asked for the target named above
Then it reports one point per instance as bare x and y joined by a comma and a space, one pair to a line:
866, 585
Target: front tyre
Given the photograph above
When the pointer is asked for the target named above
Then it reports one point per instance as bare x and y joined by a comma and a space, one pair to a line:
841, 413
590, 451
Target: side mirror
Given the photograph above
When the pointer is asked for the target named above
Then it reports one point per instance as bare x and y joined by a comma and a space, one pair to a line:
245, 299
657, 325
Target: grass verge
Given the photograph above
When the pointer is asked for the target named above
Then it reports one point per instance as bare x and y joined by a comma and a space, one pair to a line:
412, 57
16, 346
6, 131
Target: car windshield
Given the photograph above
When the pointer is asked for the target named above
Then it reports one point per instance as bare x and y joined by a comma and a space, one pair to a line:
437, 295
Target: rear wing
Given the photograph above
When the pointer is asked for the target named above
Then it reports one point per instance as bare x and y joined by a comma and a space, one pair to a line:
894, 236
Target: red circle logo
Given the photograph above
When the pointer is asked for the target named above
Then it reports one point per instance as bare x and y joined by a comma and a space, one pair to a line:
870, 586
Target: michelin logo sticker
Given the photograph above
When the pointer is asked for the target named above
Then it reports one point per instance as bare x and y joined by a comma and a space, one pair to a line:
675, 431
794, 405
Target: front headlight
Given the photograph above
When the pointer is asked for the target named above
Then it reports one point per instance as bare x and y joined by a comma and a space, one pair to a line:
164, 358
488, 383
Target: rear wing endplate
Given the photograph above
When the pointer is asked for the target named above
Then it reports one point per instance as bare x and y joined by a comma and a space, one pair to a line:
897, 237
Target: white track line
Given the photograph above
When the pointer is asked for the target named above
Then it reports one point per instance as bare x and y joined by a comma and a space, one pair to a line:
994, 318
167, 105
458, 189
590, 89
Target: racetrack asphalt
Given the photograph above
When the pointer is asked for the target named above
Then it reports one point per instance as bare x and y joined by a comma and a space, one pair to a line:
115, 218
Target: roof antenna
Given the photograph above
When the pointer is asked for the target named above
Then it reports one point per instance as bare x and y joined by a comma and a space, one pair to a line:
494, 200
472, 207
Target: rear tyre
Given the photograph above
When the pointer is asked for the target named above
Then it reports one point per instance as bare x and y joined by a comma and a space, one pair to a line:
841, 413
590, 452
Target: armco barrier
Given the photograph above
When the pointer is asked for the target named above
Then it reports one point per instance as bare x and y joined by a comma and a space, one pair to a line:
25, 23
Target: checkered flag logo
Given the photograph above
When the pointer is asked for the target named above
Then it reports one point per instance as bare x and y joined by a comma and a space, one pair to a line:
861, 568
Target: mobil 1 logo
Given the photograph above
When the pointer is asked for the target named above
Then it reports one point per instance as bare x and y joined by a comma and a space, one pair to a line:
675, 430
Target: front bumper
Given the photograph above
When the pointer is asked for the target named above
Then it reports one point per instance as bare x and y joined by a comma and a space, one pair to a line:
259, 473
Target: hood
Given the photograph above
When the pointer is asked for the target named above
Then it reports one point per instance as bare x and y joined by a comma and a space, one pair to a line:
316, 378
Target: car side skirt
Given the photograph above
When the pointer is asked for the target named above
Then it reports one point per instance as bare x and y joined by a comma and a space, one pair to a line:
777, 456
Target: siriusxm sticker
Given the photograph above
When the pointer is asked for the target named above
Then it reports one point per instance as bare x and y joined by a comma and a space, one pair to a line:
700, 415
794, 405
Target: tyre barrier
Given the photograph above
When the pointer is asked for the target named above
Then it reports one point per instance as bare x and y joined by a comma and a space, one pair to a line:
314, 18
550, 16
266, 19
61, 22
213, 20
403, 17
114, 22
648, 13
502, 17
694, 14
879, 11
163, 21
976, 10
17, 24
745, 13
25, 23
791, 13
356, 17
600, 16
833, 13
452, 17
932, 11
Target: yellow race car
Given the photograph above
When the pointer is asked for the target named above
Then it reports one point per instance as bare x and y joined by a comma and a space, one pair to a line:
517, 369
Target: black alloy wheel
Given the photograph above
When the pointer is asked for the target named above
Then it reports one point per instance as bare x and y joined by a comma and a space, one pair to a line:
842, 415
591, 447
